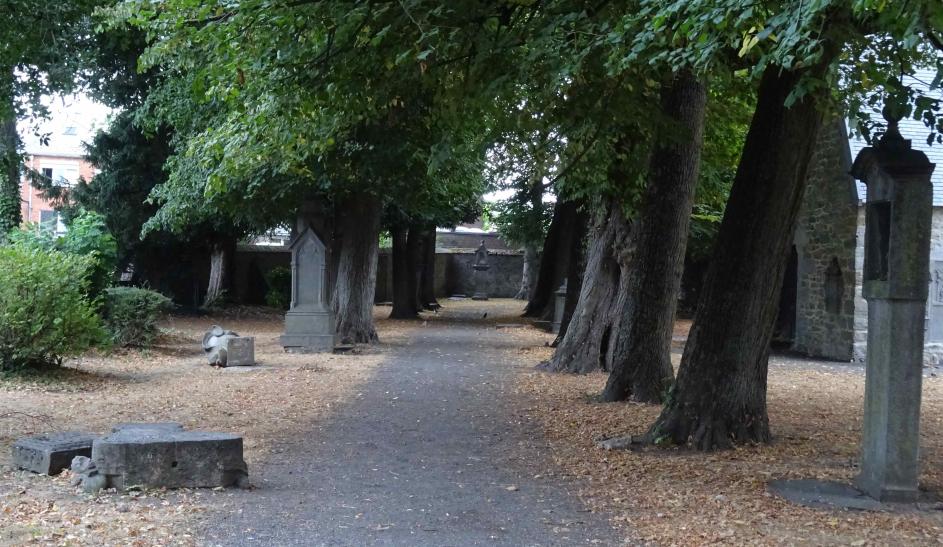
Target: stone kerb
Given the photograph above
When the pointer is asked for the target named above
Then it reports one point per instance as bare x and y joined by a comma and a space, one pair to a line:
153, 455
169, 457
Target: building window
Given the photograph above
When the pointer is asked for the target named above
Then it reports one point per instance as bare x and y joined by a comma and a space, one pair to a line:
62, 175
51, 221
48, 220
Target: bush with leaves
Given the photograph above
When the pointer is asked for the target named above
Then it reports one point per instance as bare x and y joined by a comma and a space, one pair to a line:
131, 315
45, 313
278, 280
87, 236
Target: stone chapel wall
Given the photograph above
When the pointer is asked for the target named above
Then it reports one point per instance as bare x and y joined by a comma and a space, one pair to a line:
825, 245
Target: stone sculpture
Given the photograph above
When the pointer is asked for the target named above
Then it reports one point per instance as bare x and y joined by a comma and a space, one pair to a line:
226, 348
480, 276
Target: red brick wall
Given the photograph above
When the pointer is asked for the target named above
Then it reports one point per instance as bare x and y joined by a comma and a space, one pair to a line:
32, 203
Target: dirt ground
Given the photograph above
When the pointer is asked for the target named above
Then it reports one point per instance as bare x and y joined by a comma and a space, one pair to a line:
675, 497
661, 497
286, 393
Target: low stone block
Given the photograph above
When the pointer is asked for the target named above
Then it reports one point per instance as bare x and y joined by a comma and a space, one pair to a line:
156, 427
170, 459
240, 351
51, 453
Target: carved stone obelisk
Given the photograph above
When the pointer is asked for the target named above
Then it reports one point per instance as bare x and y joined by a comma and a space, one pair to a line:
898, 217
309, 323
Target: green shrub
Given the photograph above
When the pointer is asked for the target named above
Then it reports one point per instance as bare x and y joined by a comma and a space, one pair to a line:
87, 236
131, 315
278, 280
45, 313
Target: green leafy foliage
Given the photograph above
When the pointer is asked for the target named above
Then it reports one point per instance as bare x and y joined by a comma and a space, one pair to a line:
39, 56
87, 236
278, 283
131, 315
45, 313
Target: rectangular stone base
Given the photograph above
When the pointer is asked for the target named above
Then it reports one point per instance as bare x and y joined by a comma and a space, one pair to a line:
240, 351
308, 331
155, 458
297, 343
886, 493
52, 453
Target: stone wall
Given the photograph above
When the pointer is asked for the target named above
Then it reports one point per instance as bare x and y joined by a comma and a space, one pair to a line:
504, 276
449, 240
825, 247
933, 348
453, 273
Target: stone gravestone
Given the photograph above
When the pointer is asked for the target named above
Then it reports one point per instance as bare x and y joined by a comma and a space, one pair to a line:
225, 348
309, 323
559, 306
480, 275
898, 216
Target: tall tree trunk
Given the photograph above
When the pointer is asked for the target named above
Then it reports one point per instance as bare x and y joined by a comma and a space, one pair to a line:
427, 274
219, 273
555, 259
404, 294
574, 277
720, 394
358, 229
10, 206
528, 274
414, 253
590, 330
645, 371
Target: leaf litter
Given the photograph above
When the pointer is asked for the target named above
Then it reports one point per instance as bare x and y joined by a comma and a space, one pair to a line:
284, 395
678, 497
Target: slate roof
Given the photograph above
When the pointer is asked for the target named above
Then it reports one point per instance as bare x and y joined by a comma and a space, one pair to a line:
917, 132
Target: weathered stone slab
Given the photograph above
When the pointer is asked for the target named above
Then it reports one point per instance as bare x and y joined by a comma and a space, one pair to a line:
49, 454
240, 351
146, 427
172, 459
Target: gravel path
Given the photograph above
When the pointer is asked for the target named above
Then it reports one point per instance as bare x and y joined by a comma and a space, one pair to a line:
431, 452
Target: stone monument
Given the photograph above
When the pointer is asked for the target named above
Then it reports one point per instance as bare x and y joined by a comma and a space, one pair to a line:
559, 306
896, 265
309, 323
480, 276
225, 348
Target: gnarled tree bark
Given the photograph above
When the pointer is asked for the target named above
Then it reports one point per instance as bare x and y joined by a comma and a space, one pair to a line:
404, 276
555, 259
427, 270
414, 241
644, 372
719, 397
584, 345
528, 274
358, 232
218, 275
574, 277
